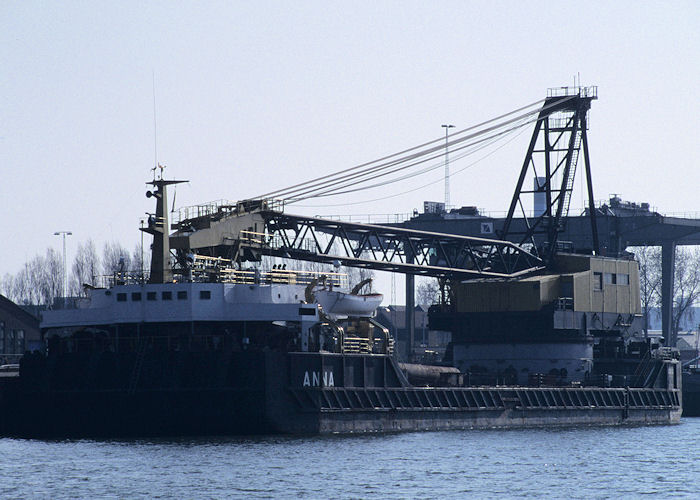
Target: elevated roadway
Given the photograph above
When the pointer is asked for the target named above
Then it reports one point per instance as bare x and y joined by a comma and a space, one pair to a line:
620, 225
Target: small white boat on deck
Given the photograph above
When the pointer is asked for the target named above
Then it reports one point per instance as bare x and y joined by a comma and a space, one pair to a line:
348, 304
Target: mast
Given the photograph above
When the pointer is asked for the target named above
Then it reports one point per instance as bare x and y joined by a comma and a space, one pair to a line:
159, 227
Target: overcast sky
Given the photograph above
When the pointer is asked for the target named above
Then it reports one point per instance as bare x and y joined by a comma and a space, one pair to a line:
253, 96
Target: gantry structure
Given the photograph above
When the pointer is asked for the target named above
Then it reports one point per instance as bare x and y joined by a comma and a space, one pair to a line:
451, 248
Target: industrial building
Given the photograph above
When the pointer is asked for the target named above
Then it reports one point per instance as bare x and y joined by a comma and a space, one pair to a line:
19, 332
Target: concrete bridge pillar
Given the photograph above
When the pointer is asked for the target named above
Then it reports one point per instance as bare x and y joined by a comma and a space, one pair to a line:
410, 313
668, 261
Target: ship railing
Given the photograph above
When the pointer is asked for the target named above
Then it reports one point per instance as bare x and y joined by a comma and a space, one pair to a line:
215, 269
362, 345
272, 276
591, 91
283, 277
371, 218
205, 262
226, 207
356, 345
264, 240
121, 278
202, 210
254, 238
206, 269
483, 398
257, 204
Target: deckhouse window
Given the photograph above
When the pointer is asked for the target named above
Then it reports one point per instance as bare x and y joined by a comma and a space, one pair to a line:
10, 342
597, 281
623, 279
182, 295
136, 296
167, 296
20, 342
121, 297
204, 294
150, 295
610, 278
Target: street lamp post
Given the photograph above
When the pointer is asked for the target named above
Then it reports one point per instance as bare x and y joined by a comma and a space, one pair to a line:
143, 272
65, 275
447, 168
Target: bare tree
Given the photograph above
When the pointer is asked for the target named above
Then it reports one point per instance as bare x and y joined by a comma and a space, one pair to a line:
649, 259
141, 260
115, 258
52, 277
86, 266
428, 292
357, 274
686, 284
686, 288
39, 281
33, 276
7, 287
21, 287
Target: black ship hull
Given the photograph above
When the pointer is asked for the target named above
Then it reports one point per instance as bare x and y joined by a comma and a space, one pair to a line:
292, 393
691, 394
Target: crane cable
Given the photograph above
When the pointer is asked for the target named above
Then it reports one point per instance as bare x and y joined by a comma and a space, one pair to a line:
458, 157
351, 169
355, 180
477, 146
307, 189
320, 184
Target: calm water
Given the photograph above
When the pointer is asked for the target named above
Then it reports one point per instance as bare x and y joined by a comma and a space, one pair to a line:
659, 461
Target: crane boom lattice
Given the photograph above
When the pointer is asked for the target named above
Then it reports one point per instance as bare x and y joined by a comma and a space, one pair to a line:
388, 249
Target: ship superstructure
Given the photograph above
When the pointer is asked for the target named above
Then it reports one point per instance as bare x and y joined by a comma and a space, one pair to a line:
248, 310
579, 323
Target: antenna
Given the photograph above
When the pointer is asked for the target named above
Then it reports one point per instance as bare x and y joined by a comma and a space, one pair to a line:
155, 129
